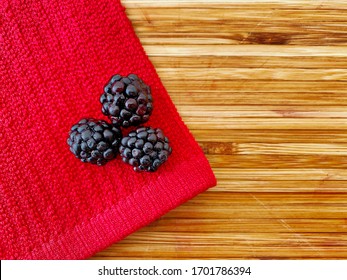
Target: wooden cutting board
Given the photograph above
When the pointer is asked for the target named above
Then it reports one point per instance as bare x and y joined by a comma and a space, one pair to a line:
263, 87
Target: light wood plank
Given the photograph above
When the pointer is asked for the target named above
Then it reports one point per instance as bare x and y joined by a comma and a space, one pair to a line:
281, 187
195, 74
187, 225
336, 152
263, 111
233, 14
250, 4
209, 86
279, 160
249, 50
265, 123
246, 61
249, 93
303, 174
270, 136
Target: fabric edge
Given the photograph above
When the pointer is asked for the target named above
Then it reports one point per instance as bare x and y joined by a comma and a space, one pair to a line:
130, 214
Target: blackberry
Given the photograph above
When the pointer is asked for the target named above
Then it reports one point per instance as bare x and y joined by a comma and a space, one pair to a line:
94, 141
145, 148
127, 101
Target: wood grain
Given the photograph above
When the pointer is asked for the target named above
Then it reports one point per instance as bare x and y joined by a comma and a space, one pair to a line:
263, 87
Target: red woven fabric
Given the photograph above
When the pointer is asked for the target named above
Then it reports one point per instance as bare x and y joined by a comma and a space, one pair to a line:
56, 56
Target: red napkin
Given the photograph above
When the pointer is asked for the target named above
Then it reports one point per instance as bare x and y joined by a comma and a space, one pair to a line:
56, 57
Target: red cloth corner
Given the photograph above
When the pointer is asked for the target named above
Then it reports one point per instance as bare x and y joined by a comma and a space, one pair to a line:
56, 56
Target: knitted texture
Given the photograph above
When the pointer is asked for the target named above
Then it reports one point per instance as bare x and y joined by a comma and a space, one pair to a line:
55, 58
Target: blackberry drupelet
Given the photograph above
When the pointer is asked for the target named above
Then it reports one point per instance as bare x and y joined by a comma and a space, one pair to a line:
94, 141
127, 101
145, 148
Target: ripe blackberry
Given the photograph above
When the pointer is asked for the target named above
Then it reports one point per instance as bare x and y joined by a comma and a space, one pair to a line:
145, 148
127, 101
94, 141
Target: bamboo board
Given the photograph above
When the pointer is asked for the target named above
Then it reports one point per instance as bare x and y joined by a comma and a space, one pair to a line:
275, 131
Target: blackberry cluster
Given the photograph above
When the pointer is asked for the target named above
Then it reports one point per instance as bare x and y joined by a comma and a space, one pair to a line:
94, 141
127, 101
145, 148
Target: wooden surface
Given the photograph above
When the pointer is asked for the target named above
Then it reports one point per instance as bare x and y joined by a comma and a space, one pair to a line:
263, 87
